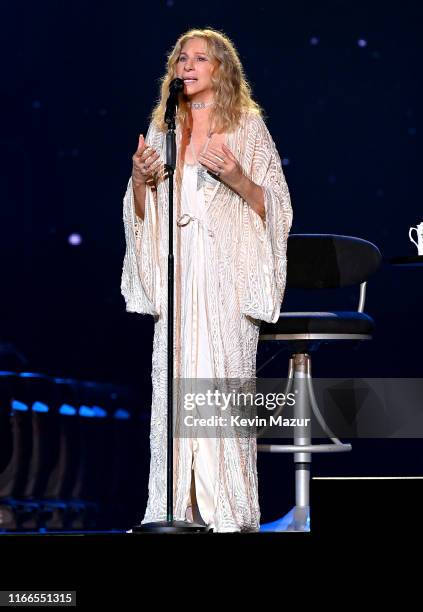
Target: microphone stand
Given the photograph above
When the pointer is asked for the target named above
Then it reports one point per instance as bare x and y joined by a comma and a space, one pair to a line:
170, 525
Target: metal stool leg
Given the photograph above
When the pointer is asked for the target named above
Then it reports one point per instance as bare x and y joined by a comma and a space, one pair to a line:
302, 460
298, 519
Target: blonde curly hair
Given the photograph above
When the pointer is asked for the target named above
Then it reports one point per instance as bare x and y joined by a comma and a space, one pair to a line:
232, 92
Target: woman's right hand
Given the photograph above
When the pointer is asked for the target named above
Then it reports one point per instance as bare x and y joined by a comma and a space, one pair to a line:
146, 164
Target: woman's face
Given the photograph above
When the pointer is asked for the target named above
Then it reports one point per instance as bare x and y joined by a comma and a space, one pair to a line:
195, 67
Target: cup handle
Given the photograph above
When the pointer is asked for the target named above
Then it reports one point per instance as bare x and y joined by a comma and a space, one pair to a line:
409, 235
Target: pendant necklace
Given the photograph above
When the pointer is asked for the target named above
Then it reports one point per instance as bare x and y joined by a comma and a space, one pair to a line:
202, 175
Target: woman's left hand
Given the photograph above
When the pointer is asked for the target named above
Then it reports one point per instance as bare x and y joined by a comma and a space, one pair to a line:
224, 164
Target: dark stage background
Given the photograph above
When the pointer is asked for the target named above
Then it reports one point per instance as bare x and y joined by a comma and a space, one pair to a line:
340, 83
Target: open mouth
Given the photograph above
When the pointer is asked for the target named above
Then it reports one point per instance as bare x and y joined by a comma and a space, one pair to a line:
187, 81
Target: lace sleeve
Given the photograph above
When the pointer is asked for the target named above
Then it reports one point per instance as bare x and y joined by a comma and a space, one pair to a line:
140, 283
265, 243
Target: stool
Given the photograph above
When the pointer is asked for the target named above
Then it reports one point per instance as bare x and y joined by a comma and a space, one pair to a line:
317, 261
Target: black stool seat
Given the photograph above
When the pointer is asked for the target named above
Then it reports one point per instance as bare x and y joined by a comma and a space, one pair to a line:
334, 322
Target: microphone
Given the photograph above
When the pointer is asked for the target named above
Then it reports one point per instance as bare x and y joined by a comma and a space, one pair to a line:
175, 86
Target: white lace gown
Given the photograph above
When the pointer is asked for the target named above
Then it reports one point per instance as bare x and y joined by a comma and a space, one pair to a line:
230, 271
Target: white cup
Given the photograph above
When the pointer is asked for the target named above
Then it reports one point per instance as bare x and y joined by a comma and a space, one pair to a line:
419, 243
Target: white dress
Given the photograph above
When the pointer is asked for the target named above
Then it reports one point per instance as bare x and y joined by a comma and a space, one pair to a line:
197, 351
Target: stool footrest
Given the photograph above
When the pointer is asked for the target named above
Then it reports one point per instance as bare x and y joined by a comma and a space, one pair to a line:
298, 448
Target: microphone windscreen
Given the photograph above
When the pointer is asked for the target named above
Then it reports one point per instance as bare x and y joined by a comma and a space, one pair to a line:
176, 85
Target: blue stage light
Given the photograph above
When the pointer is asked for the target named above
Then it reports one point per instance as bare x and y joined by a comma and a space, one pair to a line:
30, 375
99, 412
16, 405
40, 407
86, 411
67, 410
122, 414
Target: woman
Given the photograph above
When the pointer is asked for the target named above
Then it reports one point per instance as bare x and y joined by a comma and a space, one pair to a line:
232, 219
